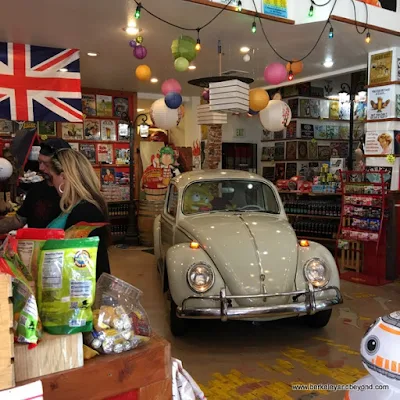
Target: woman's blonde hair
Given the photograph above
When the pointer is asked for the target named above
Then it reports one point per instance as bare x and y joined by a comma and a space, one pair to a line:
81, 182
385, 136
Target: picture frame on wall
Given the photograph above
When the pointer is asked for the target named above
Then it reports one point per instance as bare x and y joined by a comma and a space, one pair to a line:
89, 105
92, 129
104, 105
108, 130
6, 127
89, 151
47, 128
121, 106
72, 130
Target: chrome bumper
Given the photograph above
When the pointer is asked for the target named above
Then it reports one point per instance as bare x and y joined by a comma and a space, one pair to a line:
225, 311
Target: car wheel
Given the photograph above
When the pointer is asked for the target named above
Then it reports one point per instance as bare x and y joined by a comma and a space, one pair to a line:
318, 320
178, 325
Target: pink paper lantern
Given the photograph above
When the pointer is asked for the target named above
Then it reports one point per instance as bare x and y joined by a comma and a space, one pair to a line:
171, 85
275, 73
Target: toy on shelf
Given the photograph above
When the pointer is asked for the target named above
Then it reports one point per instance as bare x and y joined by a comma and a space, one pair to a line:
380, 358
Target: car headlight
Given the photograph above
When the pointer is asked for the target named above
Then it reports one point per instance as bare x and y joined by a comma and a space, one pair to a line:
316, 272
200, 277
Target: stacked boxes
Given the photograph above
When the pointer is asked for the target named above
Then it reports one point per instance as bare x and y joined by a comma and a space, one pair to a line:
229, 96
206, 117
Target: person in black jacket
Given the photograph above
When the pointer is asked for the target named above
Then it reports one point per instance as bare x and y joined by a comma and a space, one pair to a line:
81, 200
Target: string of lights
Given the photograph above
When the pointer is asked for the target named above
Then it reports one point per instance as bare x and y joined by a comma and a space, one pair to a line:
258, 16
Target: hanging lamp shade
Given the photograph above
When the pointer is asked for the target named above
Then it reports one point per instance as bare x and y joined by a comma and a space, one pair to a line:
185, 47
162, 116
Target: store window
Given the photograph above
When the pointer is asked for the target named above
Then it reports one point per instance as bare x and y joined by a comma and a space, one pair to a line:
172, 201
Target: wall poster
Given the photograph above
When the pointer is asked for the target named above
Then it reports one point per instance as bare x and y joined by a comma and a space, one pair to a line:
381, 68
390, 5
381, 103
277, 8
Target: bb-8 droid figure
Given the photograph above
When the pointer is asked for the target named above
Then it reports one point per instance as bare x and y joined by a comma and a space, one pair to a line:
380, 353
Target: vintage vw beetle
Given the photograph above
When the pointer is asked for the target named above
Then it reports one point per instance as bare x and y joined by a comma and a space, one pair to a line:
225, 250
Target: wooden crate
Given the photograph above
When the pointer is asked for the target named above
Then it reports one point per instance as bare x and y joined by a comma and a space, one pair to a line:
55, 353
7, 379
143, 374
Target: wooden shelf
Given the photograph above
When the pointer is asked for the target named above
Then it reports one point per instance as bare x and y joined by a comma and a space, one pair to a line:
302, 139
289, 161
308, 193
313, 216
372, 121
88, 141
322, 119
384, 84
299, 96
118, 202
317, 239
110, 166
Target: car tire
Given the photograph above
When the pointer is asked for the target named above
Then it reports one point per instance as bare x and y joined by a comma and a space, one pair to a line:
318, 320
178, 325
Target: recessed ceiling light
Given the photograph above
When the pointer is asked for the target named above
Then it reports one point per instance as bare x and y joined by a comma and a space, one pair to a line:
153, 80
63, 69
131, 30
192, 67
92, 54
244, 49
328, 63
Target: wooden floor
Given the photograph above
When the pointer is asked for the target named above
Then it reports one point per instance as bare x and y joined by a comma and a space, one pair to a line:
239, 360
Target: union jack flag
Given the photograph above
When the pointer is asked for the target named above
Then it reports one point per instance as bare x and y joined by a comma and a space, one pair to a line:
32, 87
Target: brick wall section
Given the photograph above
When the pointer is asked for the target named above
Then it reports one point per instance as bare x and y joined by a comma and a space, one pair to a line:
213, 151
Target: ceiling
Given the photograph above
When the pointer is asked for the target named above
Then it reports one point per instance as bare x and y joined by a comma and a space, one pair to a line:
97, 26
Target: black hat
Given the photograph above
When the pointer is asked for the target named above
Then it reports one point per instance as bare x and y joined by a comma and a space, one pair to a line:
50, 146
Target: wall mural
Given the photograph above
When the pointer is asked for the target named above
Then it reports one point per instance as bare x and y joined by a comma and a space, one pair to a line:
386, 4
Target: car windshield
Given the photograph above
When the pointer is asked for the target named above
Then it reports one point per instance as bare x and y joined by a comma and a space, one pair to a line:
229, 195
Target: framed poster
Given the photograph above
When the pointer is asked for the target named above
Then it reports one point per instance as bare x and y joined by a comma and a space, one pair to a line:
381, 68
108, 130
268, 173
92, 129
379, 142
104, 106
72, 130
104, 153
121, 106
89, 105
89, 151
47, 128
6, 127
277, 8
381, 103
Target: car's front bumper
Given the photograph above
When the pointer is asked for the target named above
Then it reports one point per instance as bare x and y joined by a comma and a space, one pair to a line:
225, 311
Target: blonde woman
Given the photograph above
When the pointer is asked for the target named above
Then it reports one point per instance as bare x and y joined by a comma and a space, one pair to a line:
385, 140
81, 200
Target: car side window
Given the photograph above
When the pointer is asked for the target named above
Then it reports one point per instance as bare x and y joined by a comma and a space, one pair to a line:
172, 201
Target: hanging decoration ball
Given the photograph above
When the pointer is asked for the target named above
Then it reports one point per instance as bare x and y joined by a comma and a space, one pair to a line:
143, 72
246, 58
252, 112
295, 66
181, 64
258, 99
275, 73
206, 95
162, 116
139, 40
276, 116
6, 169
171, 85
173, 100
132, 43
140, 52
184, 47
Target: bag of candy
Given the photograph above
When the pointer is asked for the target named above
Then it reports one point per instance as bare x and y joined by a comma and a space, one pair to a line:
66, 285
83, 229
119, 320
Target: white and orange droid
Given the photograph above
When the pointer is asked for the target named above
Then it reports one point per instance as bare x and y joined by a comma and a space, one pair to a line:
380, 353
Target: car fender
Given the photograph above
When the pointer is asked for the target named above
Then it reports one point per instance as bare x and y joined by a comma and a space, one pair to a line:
316, 250
157, 237
178, 260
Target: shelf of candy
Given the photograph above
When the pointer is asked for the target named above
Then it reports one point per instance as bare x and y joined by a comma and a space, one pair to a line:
118, 210
316, 229
325, 182
364, 189
118, 230
115, 192
311, 208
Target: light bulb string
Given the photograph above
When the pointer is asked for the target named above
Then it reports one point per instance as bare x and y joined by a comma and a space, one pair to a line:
361, 32
183, 28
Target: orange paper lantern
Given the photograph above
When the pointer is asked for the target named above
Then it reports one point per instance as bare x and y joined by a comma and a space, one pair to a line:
258, 99
143, 72
295, 66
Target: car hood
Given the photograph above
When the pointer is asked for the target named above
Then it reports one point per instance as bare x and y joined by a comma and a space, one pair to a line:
246, 246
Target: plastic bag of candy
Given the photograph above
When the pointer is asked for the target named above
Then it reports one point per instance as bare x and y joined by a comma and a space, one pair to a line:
120, 323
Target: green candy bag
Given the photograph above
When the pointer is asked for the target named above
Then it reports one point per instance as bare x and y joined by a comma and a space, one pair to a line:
67, 285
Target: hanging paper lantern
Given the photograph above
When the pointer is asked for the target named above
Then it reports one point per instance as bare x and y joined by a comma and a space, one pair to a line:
6, 169
171, 85
143, 72
173, 100
181, 64
184, 47
275, 73
295, 66
181, 112
140, 52
276, 116
132, 43
258, 99
252, 112
206, 95
139, 40
162, 116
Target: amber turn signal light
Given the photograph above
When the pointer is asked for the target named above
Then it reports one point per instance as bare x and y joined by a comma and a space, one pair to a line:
194, 245
304, 243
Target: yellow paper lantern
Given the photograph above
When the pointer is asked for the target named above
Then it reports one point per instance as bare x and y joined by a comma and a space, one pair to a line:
258, 99
143, 72
295, 66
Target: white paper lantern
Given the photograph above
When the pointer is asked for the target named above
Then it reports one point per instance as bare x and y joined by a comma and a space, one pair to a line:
276, 116
6, 169
162, 116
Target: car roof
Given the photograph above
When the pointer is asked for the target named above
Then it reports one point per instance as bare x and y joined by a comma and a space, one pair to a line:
188, 177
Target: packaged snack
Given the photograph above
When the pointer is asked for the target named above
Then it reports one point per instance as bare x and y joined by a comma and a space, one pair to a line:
83, 229
373, 236
354, 235
364, 236
27, 326
120, 322
360, 223
374, 224
66, 285
30, 243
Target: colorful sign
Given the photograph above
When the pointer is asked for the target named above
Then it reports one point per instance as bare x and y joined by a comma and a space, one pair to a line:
276, 8
381, 68
381, 103
385, 4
